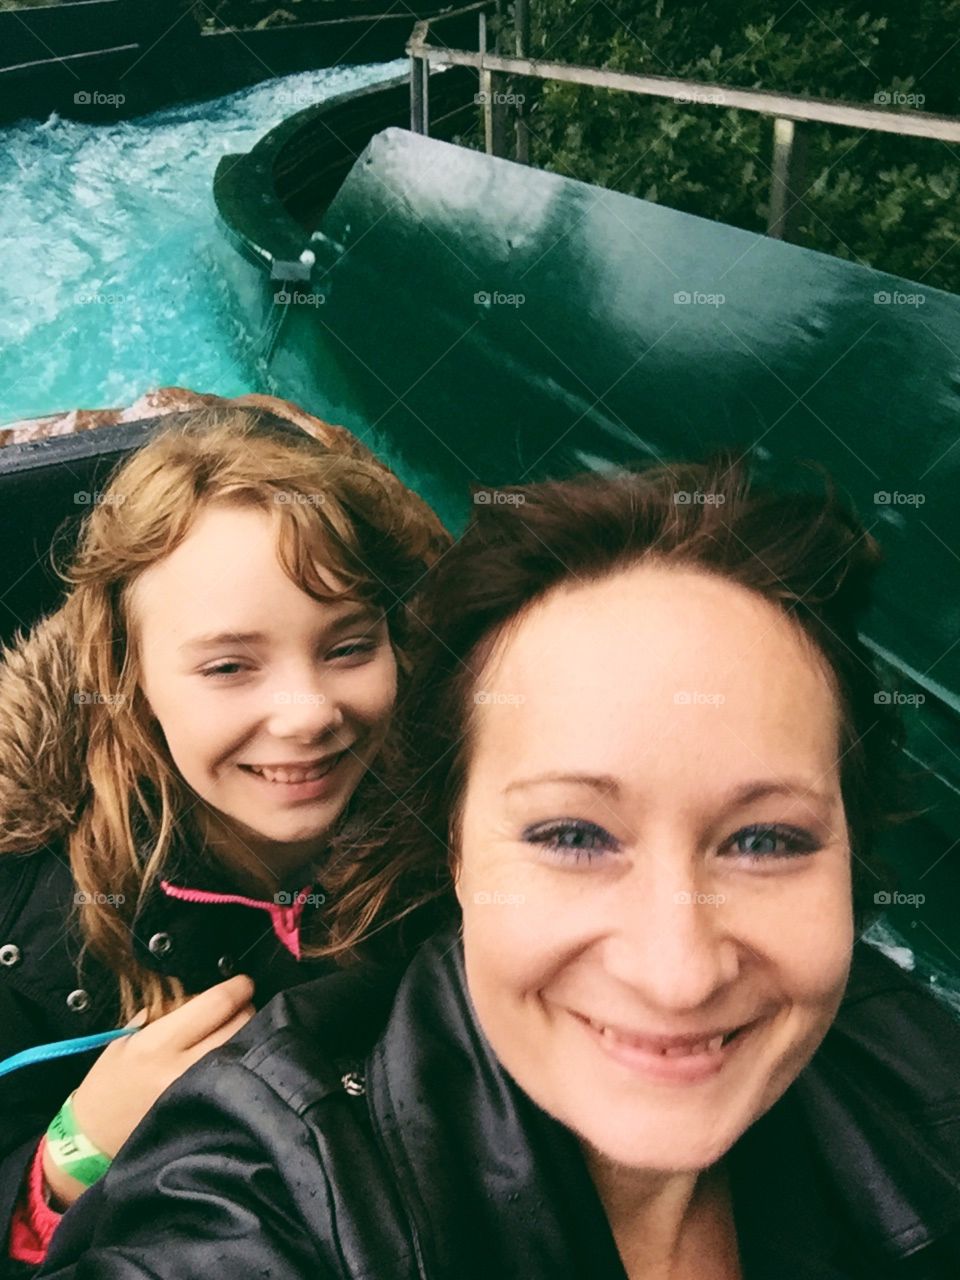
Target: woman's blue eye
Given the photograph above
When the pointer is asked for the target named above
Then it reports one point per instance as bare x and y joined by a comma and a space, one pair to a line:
761, 840
572, 839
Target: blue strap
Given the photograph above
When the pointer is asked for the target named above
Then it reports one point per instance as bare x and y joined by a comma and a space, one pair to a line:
61, 1049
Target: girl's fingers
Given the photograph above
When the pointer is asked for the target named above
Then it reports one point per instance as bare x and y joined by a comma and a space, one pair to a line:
205, 1013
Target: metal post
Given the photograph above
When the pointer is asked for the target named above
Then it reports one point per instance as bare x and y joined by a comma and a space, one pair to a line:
786, 179
521, 19
416, 95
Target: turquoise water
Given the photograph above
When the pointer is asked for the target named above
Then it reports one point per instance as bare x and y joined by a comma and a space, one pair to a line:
110, 284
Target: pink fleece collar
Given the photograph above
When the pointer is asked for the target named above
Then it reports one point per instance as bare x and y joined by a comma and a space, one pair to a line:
285, 920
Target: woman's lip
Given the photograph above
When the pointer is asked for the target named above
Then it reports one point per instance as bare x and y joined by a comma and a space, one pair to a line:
687, 1068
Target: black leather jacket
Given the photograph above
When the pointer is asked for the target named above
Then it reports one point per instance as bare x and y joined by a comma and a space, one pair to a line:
360, 1128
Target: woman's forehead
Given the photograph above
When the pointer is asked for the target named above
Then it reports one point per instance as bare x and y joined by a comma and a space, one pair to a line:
659, 666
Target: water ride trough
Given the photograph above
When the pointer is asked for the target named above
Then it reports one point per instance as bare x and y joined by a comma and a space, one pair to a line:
484, 322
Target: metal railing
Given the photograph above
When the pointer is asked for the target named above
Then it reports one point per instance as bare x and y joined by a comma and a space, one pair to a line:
786, 111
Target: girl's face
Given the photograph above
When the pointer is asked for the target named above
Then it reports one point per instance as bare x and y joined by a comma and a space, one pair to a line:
272, 704
654, 858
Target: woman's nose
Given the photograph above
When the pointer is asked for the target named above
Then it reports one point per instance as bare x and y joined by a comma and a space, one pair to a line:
671, 940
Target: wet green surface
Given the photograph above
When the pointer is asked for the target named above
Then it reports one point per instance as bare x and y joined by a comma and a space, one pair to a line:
483, 322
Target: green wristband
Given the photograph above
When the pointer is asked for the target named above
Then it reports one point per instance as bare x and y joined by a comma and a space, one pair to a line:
71, 1151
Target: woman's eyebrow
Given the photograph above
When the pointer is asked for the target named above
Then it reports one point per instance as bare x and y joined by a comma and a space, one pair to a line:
744, 794
604, 782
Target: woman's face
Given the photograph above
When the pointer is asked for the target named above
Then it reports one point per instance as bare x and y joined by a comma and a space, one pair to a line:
272, 704
654, 855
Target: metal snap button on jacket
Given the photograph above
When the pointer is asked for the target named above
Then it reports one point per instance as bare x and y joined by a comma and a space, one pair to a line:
226, 966
9, 954
160, 944
78, 1001
354, 1083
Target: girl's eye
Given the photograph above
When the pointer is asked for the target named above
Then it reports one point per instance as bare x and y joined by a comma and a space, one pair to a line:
762, 840
571, 840
354, 648
223, 669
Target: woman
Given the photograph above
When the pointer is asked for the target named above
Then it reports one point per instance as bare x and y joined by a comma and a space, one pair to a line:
644, 762
178, 744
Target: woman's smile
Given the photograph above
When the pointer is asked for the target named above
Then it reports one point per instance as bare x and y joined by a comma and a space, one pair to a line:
668, 1059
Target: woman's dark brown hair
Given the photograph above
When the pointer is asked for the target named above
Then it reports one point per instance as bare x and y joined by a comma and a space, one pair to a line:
803, 551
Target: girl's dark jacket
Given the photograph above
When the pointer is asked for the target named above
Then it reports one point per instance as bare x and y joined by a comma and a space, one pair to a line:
48, 990
360, 1128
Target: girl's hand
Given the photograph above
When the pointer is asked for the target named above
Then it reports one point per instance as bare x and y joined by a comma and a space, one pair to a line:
132, 1072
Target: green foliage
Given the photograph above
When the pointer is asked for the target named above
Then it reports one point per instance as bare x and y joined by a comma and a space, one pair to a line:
876, 198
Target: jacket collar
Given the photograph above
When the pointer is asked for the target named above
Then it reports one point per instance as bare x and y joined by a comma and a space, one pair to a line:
523, 1202
198, 924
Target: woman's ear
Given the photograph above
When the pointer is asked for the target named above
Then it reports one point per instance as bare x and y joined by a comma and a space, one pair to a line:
454, 864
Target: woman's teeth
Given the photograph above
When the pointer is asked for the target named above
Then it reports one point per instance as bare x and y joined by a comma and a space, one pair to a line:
295, 775
677, 1051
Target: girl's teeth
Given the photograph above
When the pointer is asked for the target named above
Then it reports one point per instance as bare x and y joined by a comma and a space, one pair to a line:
295, 775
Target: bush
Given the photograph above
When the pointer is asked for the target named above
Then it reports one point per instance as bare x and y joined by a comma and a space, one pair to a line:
882, 200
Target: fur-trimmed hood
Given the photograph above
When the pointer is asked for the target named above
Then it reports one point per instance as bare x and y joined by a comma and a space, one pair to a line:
41, 737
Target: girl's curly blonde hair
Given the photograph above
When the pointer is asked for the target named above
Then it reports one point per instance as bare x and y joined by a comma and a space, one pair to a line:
334, 504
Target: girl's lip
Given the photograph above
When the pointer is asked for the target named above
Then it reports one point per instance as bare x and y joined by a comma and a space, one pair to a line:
687, 1068
311, 790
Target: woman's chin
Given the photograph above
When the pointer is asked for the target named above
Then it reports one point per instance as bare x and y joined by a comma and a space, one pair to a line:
658, 1147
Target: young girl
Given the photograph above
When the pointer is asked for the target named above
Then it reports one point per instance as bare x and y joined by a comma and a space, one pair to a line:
178, 742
